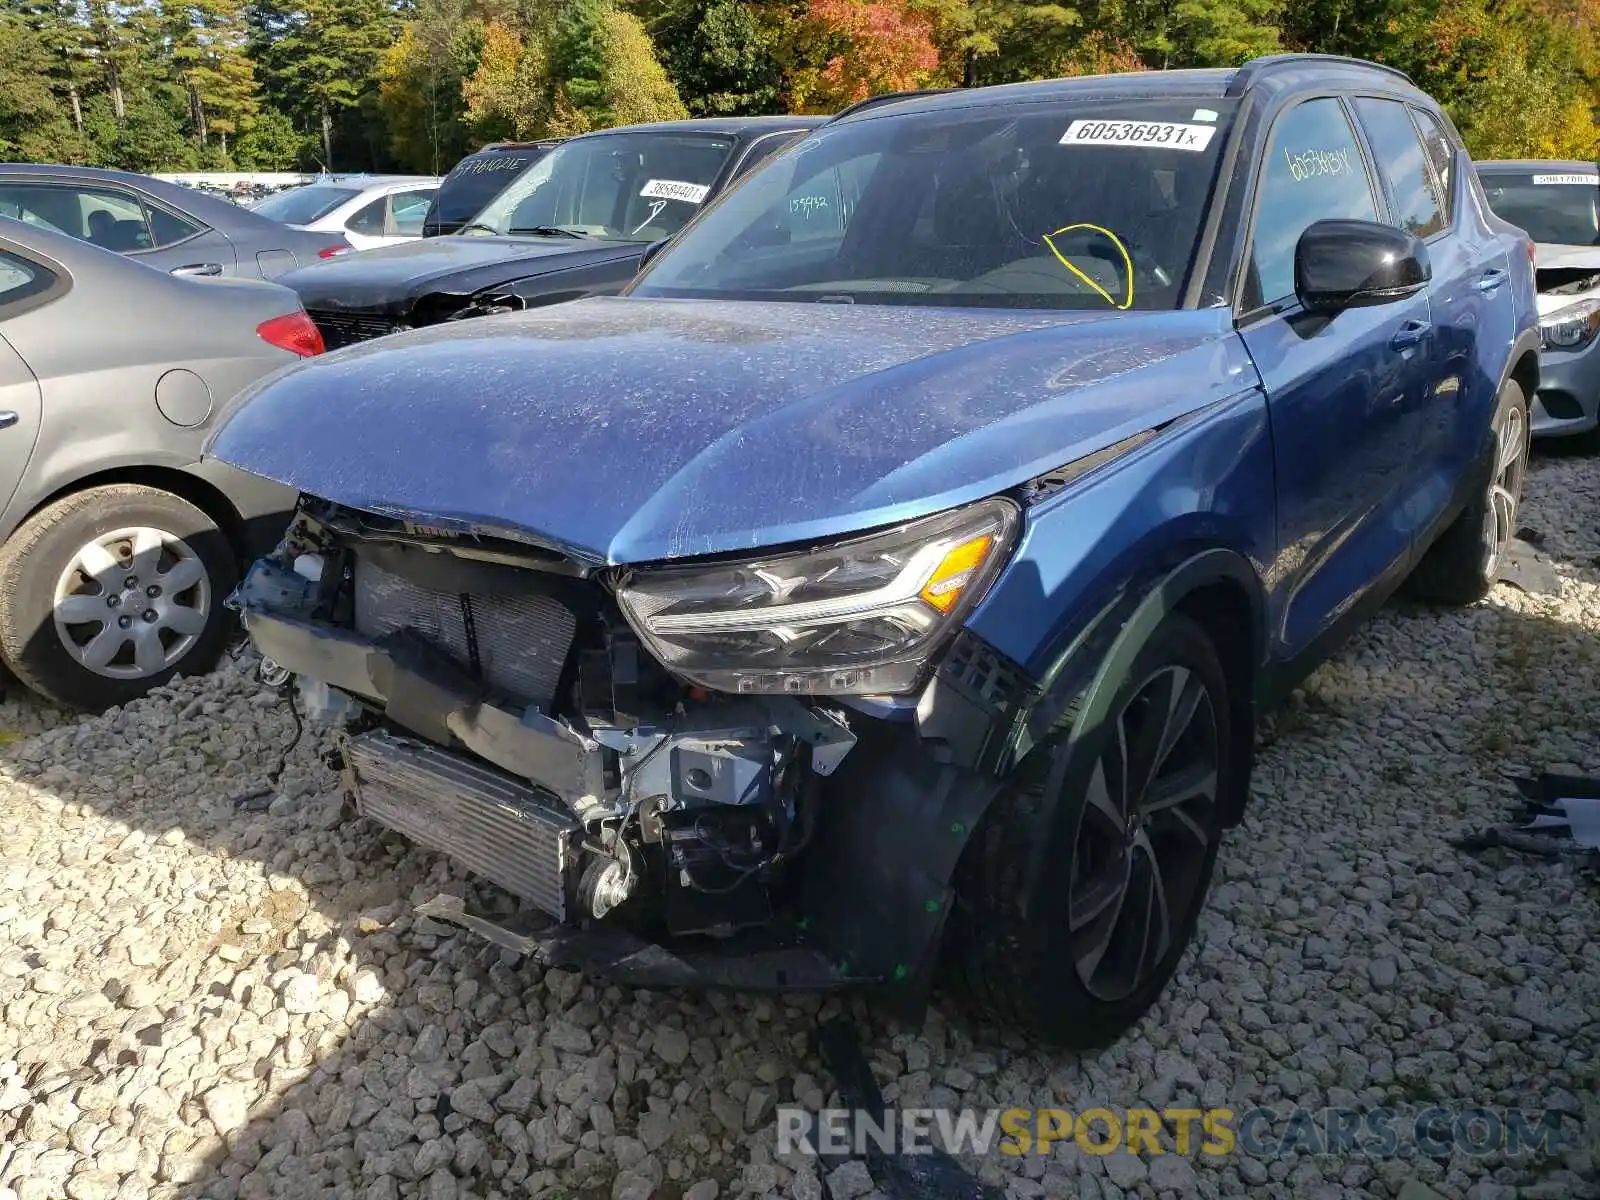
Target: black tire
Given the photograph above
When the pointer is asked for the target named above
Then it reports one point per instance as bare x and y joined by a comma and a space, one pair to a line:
1025, 970
1464, 562
39, 553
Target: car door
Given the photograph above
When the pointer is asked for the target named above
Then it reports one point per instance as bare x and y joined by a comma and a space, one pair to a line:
1344, 393
25, 283
1475, 314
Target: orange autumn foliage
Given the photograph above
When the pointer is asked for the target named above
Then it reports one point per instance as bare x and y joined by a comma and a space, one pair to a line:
858, 48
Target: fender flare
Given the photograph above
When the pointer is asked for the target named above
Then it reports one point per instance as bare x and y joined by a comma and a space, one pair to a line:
1526, 343
1146, 610
900, 811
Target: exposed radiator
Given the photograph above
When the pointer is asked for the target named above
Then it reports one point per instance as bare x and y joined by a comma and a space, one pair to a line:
522, 641
346, 329
490, 823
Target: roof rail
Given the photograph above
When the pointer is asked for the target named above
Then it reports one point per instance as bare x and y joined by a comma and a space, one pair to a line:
888, 98
1245, 75
520, 145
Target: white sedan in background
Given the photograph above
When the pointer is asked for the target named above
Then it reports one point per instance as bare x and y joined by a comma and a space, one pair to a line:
369, 210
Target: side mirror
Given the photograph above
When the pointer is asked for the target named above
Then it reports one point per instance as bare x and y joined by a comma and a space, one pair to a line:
1353, 264
650, 252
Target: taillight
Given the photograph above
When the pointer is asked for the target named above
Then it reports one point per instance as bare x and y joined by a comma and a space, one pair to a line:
294, 332
334, 251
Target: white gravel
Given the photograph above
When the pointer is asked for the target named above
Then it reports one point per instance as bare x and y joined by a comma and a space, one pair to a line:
196, 1001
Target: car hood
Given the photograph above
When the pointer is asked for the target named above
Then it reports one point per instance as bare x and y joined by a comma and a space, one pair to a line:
1559, 266
390, 279
628, 430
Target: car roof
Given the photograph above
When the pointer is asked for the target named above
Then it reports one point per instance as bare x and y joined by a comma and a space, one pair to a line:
370, 181
198, 202
733, 125
1303, 70
1564, 165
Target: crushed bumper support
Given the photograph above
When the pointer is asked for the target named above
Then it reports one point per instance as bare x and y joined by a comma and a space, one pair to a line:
423, 691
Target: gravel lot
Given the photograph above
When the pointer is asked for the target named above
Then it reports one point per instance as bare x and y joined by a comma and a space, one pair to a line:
203, 1002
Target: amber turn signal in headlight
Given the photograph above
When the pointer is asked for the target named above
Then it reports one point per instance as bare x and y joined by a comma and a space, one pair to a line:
857, 616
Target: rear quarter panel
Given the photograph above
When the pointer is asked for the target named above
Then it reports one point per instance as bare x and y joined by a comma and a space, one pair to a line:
99, 407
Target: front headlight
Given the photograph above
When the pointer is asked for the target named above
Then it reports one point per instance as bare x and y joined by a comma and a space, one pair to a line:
859, 616
1572, 327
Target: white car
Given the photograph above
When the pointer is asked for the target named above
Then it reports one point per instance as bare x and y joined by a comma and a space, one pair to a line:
1558, 203
370, 210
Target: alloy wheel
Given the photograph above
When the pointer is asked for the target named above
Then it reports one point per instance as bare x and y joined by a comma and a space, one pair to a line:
1144, 835
1505, 484
132, 602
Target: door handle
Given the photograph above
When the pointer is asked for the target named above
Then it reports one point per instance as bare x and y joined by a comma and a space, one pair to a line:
1491, 279
198, 269
8, 419
1409, 334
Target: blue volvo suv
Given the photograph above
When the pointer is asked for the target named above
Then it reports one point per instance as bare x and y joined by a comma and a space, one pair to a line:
884, 589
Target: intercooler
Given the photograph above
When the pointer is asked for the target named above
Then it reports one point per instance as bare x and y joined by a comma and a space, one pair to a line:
517, 643
490, 823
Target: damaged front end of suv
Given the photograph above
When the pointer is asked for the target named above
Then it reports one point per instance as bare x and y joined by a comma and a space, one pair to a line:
639, 753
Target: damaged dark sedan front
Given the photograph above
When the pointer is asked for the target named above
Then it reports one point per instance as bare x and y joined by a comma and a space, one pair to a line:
890, 578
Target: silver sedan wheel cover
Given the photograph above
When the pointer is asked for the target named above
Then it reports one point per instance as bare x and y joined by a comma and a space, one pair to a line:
1505, 485
132, 602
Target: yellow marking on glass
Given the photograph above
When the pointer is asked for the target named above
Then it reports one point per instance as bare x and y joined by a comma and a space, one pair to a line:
1127, 261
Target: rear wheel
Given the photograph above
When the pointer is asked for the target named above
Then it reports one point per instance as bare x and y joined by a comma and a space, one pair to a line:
1464, 563
112, 591
1137, 807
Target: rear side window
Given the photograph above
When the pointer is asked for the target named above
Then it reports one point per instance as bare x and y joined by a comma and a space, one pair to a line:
20, 280
1313, 172
167, 228
369, 218
1441, 149
1403, 163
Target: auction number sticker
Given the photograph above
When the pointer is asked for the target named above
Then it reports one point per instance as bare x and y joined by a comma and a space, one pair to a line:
1578, 179
674, 189
1173, 135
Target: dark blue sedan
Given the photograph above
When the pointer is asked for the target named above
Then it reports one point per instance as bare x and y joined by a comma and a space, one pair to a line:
890, 580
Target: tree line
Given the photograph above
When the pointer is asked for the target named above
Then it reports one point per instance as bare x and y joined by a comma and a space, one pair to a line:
369, 85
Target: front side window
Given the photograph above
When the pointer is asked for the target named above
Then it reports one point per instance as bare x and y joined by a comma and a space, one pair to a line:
407, 210
1312, 172
1402, 162
1086, 204
635, 187
1556, 206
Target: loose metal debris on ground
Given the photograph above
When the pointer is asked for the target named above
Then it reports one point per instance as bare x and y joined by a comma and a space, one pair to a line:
201, 999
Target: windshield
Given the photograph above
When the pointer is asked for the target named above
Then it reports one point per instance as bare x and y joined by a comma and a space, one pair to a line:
1555, 207
304, 205
635, 187
475, 181
1092, 204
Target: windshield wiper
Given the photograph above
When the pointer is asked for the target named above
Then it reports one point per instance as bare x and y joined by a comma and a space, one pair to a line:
549, 231
480, 225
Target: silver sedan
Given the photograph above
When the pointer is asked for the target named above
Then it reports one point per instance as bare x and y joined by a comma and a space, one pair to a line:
118, 542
